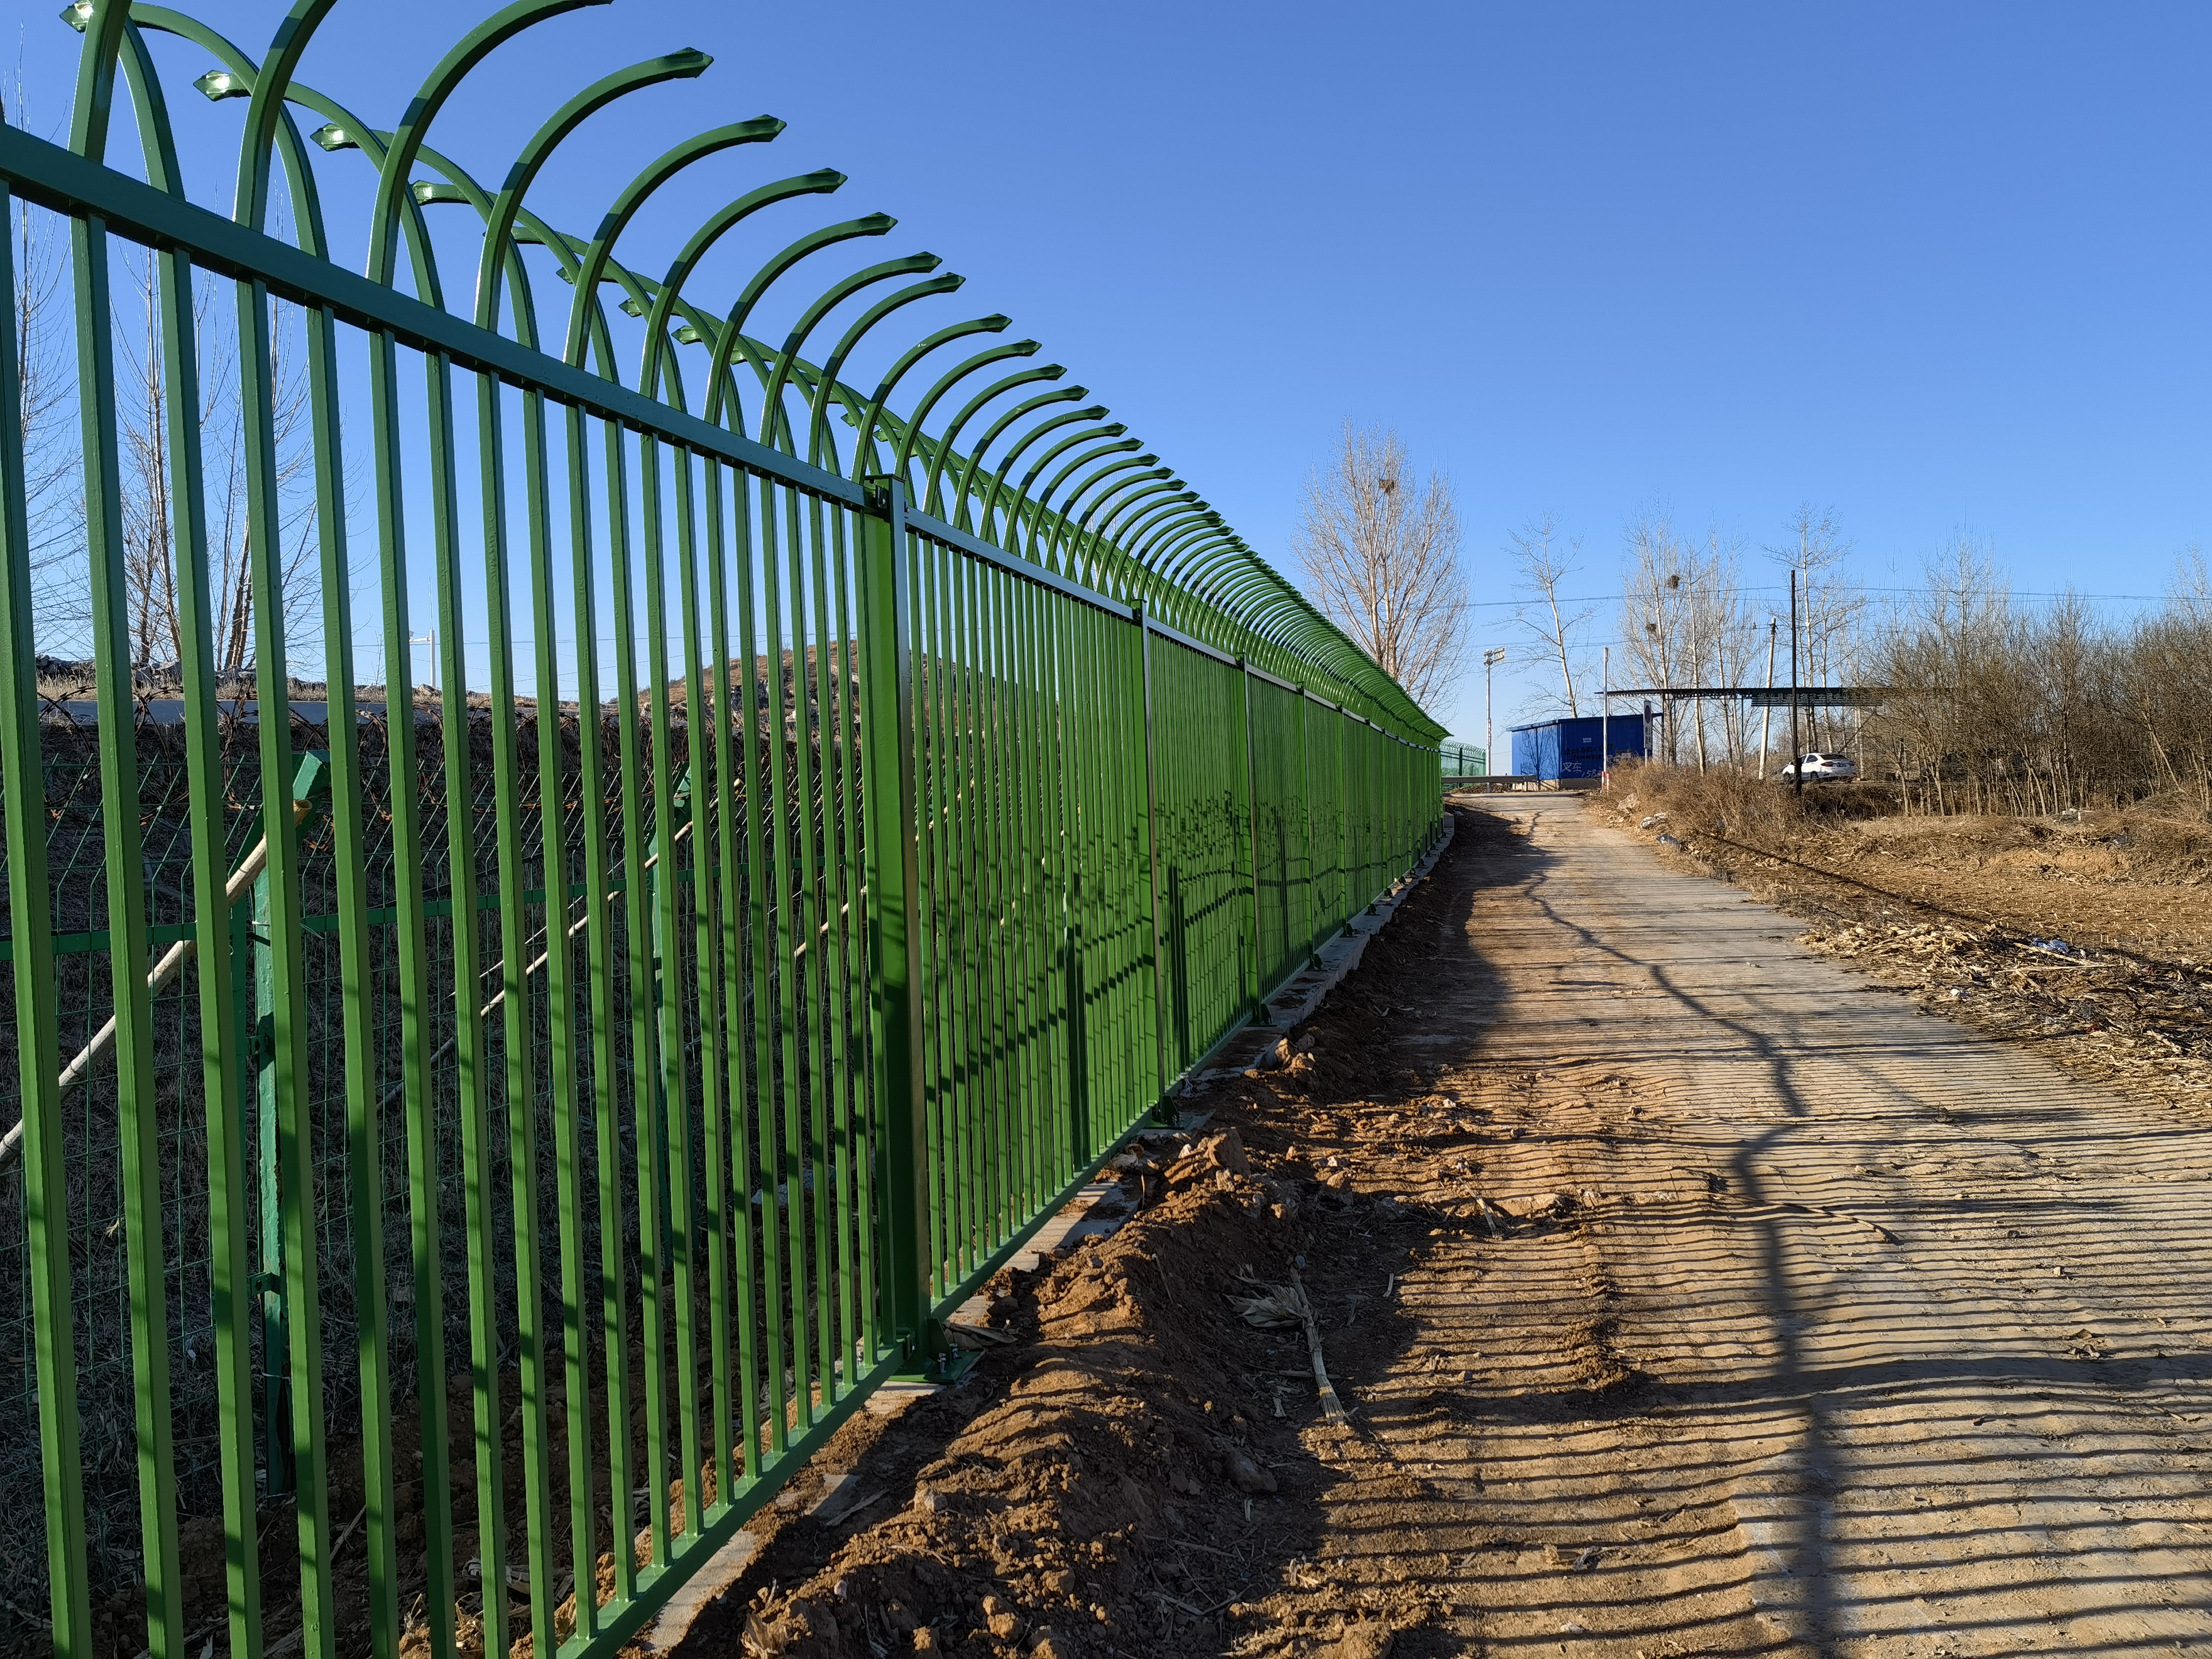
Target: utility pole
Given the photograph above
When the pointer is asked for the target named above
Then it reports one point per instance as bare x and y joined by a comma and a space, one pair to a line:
1491, 658
1605, 723
1796, 754
1766, 709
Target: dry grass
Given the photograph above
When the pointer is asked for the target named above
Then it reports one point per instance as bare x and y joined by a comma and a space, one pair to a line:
2163, 842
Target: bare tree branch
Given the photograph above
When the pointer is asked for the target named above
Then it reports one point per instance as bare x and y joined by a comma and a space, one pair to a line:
1544, 564
1382, 560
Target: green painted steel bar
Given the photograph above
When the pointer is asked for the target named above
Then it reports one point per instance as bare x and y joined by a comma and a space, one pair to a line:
465, 943
956, 977
606, 964
763, 726
963, 1021
562, 1043
986, 1078
411, 883
518, 1046
1042, 1164
288, 1027
30, 909
991, 1164
709, 802
669, 1163
1005, 746
933, 948
859, 1340
1031, 624
228, 1272
809, 1188
833, 1108
642, 926
783, 1214
121, 836
734, 1179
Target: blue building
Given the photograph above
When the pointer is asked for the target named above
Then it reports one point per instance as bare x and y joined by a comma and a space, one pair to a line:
1573, 748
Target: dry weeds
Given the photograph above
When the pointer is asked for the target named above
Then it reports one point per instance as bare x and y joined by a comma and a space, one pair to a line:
2087, 934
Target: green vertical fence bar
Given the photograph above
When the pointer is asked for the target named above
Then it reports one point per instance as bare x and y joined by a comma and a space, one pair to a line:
704, 704
38, 1060
221, 1029
903, 865
121, 837
736, 1181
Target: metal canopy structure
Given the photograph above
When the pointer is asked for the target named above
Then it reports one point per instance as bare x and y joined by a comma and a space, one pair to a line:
637, 1053
1773, 696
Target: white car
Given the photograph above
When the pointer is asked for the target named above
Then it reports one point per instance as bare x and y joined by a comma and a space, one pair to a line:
1817, 767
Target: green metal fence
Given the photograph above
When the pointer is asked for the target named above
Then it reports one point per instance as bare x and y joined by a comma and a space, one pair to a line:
468, 1142
1463, 760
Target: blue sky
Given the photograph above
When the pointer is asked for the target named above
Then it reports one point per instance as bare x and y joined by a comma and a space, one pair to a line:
1937, 267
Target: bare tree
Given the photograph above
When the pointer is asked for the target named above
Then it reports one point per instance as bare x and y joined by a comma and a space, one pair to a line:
149, 509
1654, 615
1544, 565
1381, 552
2192, 585
1684, 624
45, 405
1947, 650
1724, 637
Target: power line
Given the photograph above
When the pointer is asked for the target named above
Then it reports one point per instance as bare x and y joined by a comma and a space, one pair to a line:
2011, 593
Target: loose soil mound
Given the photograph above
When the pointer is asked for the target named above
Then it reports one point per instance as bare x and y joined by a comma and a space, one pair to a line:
1114, 1492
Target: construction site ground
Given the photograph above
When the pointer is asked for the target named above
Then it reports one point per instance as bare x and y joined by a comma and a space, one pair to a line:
1689, 1291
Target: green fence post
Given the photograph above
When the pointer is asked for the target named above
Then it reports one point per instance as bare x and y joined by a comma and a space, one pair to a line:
1162, 1111
887, 797
1257, 990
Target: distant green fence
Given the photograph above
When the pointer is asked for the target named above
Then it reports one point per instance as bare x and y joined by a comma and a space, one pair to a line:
464, 1147
1463, 760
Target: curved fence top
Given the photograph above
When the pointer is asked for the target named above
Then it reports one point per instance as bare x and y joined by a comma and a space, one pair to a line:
991, 441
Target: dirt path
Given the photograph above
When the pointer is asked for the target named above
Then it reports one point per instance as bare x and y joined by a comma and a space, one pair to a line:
1851, 1331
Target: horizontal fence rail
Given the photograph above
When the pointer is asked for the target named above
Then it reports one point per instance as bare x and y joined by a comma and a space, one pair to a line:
464, 1142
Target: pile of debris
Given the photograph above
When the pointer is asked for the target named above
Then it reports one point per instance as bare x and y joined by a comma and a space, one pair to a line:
2110, 1013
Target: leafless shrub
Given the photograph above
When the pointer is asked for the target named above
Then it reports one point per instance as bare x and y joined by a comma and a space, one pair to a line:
2004, 709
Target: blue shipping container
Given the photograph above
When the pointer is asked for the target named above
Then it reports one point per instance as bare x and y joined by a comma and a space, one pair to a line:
1571, 749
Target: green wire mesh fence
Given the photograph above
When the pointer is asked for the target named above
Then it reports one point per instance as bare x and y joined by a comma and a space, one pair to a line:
466, 1142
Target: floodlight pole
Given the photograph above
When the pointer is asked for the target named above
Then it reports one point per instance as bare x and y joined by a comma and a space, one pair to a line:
1491, 658
1796, 752
1767, 710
